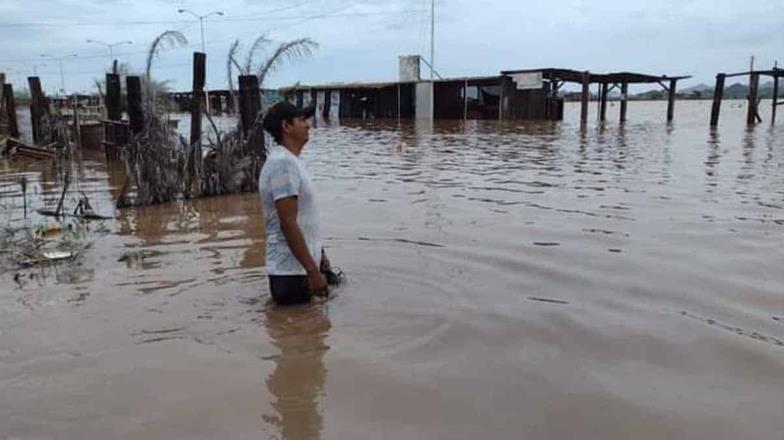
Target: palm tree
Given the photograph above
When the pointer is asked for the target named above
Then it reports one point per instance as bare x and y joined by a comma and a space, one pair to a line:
287, 51
167, 38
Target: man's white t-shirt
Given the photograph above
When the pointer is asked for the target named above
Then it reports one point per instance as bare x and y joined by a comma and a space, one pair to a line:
284, 175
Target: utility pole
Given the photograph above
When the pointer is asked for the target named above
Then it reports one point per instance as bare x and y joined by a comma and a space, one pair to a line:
432, 39
432, 58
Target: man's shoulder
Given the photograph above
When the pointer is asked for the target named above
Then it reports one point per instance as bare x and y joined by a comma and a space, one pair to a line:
277, 161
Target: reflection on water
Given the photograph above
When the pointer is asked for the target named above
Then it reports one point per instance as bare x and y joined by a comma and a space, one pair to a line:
298, 380
503, 278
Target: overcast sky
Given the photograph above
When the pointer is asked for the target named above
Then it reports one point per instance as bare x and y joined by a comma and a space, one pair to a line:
360, 40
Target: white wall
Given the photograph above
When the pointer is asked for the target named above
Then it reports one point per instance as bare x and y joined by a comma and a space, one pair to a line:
424, 109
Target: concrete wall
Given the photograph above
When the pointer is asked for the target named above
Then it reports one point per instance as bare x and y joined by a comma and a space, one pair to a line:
409, 68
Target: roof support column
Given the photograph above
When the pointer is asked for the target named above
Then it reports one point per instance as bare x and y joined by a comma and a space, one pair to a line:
584, 98
718, 94
624, 100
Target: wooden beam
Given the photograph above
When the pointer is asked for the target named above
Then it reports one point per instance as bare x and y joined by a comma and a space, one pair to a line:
250, 102
398, 102
328, 103
9, 103
133, 87
198, 96
113, 102
77, 125
624, 100
584, 97
751, 116
465, 100
500, 99
603, 102
38, 107
250, 109
671, 100
775, 99
718, 94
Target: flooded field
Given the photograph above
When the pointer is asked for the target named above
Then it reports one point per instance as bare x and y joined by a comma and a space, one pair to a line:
518, 280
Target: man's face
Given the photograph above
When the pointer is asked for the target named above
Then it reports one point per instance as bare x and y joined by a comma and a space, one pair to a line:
298, 130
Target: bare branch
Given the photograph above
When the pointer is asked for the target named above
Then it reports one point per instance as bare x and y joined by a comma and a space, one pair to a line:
230, 61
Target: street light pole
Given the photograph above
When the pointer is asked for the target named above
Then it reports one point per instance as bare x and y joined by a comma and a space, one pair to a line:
60, 63
201, 26
203, 46
201, 22
110, 46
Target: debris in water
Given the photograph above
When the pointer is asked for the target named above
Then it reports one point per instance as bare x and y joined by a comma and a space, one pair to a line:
546, 243
401, 240
751, 334
58, 255
548, 300
80, 299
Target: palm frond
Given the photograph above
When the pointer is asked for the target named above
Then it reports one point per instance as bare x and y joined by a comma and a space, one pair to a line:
231, 61
260, 41
99, 86
291, 51
167, 38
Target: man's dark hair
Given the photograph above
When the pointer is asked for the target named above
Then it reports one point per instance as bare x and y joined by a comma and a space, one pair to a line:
281, 112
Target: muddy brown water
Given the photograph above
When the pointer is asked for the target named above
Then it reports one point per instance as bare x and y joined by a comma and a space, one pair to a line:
529, 280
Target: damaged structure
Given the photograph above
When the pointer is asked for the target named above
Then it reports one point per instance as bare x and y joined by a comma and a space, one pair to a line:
531, 94
488, 97
752, 114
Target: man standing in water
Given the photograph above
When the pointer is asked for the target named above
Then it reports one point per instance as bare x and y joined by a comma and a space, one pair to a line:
295, 257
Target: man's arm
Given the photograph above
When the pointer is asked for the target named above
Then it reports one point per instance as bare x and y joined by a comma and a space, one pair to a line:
287, 209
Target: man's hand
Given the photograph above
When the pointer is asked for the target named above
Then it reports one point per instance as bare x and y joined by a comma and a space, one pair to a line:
326, 266
317, 284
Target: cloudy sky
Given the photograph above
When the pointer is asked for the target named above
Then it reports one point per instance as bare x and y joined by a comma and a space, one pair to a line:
361, 39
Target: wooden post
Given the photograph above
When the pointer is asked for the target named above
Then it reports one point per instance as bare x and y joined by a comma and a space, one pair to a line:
250, 102
250, 111
584, 97
751, 116
398, 102
10, 110
2, 101
603, 103
328, 103
198, 95
671, 100
230, 103
465, 100
38, 106
624, 100
718, 95
775, 99
500, 100
77, 125
113, 101
133, 86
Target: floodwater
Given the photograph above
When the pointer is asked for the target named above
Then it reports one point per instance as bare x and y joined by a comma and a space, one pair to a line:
518, 280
